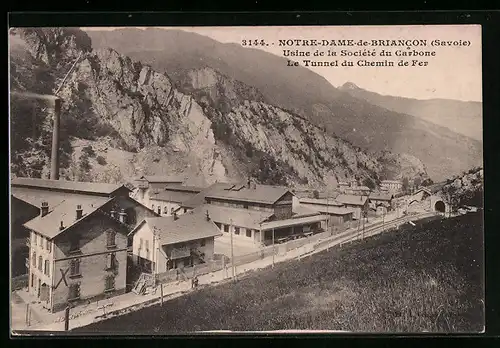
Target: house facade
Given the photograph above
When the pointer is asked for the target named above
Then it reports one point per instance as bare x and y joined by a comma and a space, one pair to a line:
338, 215
163, 244
78, 242
165, 202
381, 203
392, 186
146, 185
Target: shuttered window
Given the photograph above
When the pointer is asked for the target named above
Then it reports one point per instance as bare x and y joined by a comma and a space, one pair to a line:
74, 267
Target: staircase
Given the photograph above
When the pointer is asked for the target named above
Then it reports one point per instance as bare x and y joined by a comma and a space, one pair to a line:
142, 283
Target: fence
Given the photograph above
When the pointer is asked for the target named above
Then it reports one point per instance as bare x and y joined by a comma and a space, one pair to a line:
188, 272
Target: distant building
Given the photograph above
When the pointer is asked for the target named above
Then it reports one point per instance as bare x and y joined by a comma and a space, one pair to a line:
358, 190
165, 243
338, 214
147, 184
256, 211
359, 204
392, 186
168, 200
345, 186
78, 243
381, 203
199, 199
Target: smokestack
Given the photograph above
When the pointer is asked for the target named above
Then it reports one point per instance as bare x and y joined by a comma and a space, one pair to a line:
54, 161
79, 212
62, 226
44, 209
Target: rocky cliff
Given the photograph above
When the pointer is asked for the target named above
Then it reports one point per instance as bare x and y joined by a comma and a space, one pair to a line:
121, 117
465, 189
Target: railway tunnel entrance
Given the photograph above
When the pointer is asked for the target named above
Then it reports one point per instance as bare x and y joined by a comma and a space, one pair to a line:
440, 207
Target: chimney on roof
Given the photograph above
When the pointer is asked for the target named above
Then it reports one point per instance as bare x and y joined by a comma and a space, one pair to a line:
44, 209
122, 216
79, 212
62, 226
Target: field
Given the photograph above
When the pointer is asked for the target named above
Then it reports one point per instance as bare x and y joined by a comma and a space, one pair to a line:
423, 278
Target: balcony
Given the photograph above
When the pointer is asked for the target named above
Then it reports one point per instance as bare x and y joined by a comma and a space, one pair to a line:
178, 253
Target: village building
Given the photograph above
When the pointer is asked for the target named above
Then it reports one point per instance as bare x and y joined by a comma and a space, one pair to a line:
78, 242
260, 213
162, 244
381, 203
199, 199
168, 200
391, 186
358, 190
338, 215
146, 185
359, 204
347, 185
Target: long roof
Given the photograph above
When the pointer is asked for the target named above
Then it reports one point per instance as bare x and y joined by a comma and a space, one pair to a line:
187, 227
333, 210
67, 186
293, 222
352, 199
199, 199
65, 211
258, 194
321, 201
161, 179
183, 188
247, 218
302, 211
171, 196
380, 196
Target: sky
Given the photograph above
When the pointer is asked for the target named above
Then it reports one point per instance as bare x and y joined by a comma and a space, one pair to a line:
453, 73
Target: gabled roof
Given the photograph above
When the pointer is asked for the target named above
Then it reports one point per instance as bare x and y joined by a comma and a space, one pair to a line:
380, 196
49, 225
352, 199
183, 188
187, 227
301, 211
199, 199
265, 194
67, 186
293, 222
238, 217
424, 190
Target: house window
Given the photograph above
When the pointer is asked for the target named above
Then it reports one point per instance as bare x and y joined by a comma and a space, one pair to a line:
153, 207
165, 210
74, 268
203, 242
110, 261
32, 280
236, 230
140, 243
49, 245
159, 210
40, 263
74, 243
109, 283
41, 241
111, 239
248, 232
74, 291
245, 206
46, 269
33, 259
147, 245
226, 228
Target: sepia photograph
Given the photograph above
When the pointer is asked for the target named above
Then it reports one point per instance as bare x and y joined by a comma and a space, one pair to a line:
185, 180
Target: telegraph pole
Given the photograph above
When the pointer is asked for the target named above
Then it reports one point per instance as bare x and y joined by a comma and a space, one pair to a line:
232, 252
273, 248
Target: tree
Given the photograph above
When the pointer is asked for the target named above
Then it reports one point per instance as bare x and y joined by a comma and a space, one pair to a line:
369, 183
316, 194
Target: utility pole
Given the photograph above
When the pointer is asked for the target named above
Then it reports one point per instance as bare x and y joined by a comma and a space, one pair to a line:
232, 252
273, 248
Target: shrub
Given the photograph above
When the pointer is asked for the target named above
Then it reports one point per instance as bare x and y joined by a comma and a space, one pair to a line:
101, 160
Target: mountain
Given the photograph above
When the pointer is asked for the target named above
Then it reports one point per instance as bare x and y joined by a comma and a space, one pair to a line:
462, 117
121, 117
302, 92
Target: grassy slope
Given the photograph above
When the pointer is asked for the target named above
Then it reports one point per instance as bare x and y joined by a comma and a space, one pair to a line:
425, 278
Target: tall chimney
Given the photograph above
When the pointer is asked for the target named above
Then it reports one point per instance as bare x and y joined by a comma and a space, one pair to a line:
62, 226
54, 161
44, 209
79, 212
